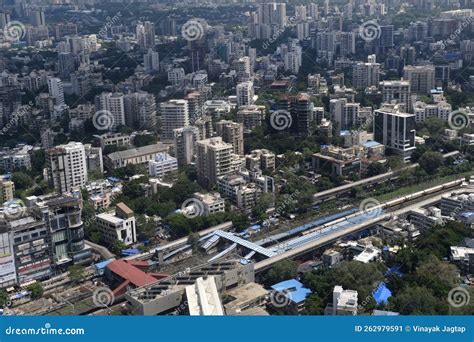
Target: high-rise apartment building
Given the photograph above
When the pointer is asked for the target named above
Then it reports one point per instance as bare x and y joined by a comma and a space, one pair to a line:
56, 91
395, 130
232, 133
185, 144
67, 166
214, 159
151, 61
398, 92
421, 77
146, 35
245, 93
114, 107
366, 74
140, 109
300, 108
174, 114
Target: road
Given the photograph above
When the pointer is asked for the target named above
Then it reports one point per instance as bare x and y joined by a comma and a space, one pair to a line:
267, 263
180, 242
320, 196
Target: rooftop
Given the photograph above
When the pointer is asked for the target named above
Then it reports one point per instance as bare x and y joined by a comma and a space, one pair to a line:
129, 272
371, 143
382, 293
134, 152
293, 290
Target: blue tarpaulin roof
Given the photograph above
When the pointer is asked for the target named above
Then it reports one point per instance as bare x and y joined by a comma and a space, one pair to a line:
382, 294
293, 289
101, 265
130, 251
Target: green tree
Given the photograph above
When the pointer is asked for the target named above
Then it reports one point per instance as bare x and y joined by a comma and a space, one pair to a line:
314, 305
260, 210
38, 162
76, 273
36, 290
395, 162
440, 238
283, 270
375, 169
117, 247
145, 228
144, 140
239, 221
22, 180
354, 275
417, 300
437, 275
430, 162
193, 240
434, 126
179, 224
4, 298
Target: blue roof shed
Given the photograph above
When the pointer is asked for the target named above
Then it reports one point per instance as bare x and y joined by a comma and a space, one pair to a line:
382, 293
293, 289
